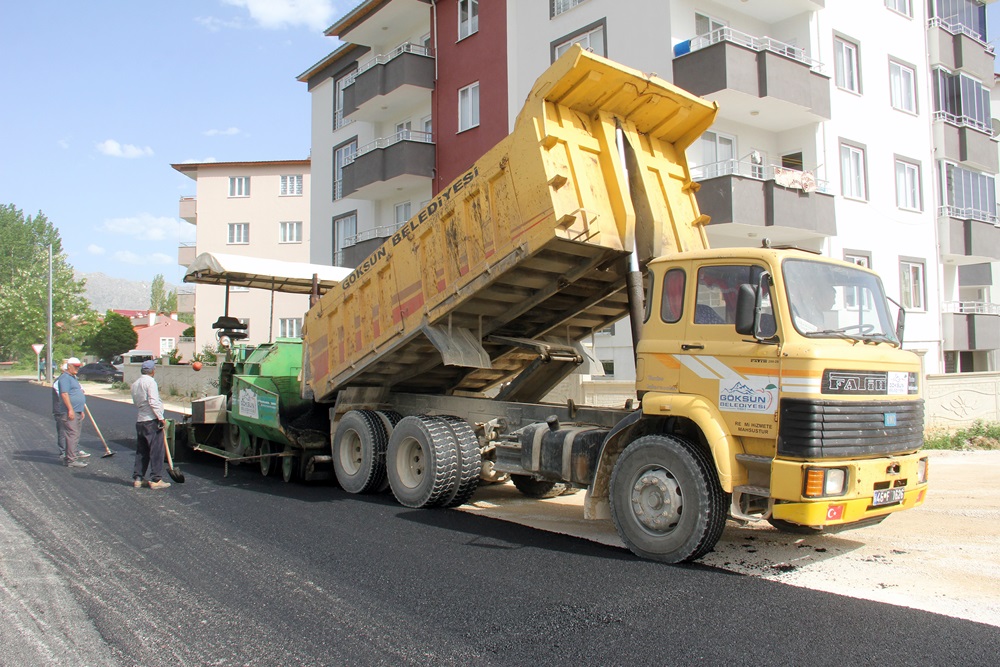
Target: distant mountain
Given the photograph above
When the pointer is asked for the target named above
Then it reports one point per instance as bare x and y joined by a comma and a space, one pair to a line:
107, 293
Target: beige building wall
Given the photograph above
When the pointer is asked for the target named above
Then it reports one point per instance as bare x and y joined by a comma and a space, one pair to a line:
232, 222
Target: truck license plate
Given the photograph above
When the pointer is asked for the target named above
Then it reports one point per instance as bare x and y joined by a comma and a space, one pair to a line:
888, 496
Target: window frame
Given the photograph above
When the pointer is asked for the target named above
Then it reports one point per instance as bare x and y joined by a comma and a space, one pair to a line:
239, 187
341, 238
911, 96
340, 155
233, 236
906, 275
863, 184
290, 185
840, 43
284, 226
914, 166
469, 24
574, 37
296, 326
471, 91
405, 207
557, 7
339, 84
893, 5
859, 258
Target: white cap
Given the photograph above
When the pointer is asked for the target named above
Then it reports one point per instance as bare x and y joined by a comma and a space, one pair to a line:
73, 361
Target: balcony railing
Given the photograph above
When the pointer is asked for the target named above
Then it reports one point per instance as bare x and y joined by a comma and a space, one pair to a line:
964, 121
758, 166
375, 233
385, 142
338, 184
959, 28
968, 214
749, 41
383, 58
970, 307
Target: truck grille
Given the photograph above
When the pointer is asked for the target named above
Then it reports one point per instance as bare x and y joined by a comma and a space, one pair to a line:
833, 429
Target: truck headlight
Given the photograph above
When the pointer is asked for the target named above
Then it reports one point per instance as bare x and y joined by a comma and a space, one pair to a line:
825, 482
922, 465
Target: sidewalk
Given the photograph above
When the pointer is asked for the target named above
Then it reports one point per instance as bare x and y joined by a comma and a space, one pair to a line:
101, 390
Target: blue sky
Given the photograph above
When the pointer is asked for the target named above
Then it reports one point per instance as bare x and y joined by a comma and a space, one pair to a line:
101, 97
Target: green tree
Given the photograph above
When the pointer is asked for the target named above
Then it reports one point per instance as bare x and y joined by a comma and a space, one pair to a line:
170, 304
157, 294
24, 287
114, 336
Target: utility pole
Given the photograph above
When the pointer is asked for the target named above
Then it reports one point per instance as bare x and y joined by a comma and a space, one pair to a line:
48, 365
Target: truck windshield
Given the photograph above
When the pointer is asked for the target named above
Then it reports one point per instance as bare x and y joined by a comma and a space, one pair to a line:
836, 301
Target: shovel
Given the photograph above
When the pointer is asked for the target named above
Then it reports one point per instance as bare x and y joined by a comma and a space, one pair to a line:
108, 453
175, 473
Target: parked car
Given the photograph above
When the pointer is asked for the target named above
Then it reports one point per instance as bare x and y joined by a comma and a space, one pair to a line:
100, 372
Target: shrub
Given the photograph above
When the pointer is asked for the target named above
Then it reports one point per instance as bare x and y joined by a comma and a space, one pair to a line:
980, 435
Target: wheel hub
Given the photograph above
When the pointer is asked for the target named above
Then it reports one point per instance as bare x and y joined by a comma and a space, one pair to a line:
656, 500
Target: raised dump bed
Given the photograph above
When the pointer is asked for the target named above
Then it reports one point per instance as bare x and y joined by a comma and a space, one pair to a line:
529, 246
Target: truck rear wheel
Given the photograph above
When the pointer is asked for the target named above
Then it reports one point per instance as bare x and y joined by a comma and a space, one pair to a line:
389, 420
359, 452
538, 488
470, 461
666, 502
421, 461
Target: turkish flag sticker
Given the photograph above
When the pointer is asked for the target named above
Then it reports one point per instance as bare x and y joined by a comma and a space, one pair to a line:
834, 512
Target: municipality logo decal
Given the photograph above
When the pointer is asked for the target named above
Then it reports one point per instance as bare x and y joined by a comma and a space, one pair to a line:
746, 397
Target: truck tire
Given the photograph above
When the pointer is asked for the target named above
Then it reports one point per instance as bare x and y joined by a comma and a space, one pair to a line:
263, 446
470, 461
359, 452
389, 420
289, 468
666, 502
538, 488
421, 461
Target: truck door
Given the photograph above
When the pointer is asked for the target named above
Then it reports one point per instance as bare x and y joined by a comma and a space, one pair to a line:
735, 372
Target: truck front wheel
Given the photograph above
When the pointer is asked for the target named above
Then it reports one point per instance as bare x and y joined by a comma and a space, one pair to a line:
666, 502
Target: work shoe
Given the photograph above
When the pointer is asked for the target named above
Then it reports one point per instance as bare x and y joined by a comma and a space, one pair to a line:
159, 484
137, 482
76, 464
80, 454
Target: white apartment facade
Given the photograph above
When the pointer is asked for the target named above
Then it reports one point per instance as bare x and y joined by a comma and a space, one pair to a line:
253, 209
843, 128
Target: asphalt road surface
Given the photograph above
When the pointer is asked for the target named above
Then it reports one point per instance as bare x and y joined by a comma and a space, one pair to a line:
246, 570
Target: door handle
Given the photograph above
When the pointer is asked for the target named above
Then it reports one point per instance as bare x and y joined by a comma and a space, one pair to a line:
692, 346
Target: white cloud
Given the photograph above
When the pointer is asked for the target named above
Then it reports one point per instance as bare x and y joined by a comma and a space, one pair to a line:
63, 144
95, 249
228, 132
146, 227
274, 14
194, 161
114, 149
129, 257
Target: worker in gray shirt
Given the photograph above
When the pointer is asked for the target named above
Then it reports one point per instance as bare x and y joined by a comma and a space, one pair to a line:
150, 444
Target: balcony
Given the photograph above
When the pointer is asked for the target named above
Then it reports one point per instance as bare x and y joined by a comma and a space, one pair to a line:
185, 300
967, 236
959, 48
966, 140
379, 168
970, 325
188, 210
386, 83
357, 248
757, 81
186, 252
752, 195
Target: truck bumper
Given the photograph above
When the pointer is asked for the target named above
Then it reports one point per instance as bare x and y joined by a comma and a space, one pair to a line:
856, 503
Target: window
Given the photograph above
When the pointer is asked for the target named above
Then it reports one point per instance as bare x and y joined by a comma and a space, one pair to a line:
853, 177
428, 124
902, 89
345, 232
167, 345
239, 186
239, 233
853, 296
591, 38
959, 14
718, 154
609, 367
468, 107
342, 155
969, 195
290, 232
290, 327
338, 101
717, 290
291, 186
959, 98
672, 304
704, 24
238, 288
606, 331
402, 213
468, 17
557, 7
911, 284
845, 56
908, 186
403, 131
901, 6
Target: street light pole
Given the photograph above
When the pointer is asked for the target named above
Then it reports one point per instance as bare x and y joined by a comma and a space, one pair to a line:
48, 365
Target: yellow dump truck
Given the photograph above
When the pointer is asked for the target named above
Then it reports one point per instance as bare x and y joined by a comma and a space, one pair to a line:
771, 382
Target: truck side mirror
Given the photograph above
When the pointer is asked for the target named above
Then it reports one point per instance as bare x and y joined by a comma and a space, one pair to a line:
746, 306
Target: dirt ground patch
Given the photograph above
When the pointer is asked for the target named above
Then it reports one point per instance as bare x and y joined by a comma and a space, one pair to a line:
941, 557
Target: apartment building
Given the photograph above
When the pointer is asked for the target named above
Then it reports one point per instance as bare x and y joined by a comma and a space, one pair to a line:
253, 209
858, 129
